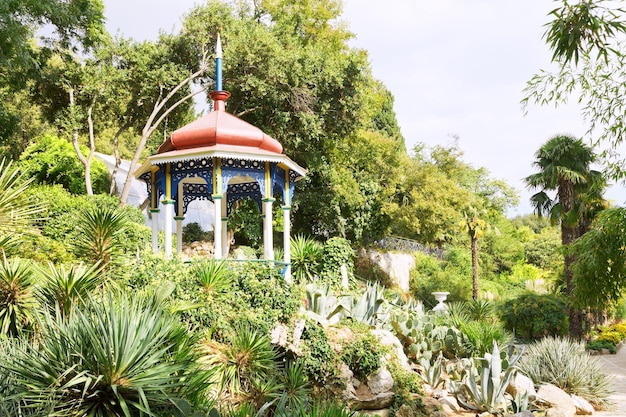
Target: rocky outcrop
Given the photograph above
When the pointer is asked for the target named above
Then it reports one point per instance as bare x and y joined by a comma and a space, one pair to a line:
583, 407
388, 339
397, 265
560, 403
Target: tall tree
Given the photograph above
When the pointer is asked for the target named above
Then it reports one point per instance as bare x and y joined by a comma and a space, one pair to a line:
76, 24
585, 37
563, 164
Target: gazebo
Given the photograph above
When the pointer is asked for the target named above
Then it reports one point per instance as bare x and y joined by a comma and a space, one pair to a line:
224, 159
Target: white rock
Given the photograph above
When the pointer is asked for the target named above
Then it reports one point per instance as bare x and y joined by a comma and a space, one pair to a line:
583, 407
561, 403
451, 403
522, 384
380, 381
386, 338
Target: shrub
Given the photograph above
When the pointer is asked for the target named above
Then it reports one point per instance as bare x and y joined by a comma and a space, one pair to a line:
480, 336
363, 355
52, 160
566, 364
336, 252
192, 232
620, 328
611, 336
317, 357
602, 344
366, 269
533, 316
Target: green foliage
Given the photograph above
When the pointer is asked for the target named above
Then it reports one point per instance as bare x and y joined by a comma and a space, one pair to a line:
601, 344
336, 252
117, 358
247, 357
320, 304
52, 160
362, 354
99, 230
214, 276
432, 371
564, 363
245, 221
599, 269
533, 316
192, 232
62, 290
369, 308
610, 336
306, 256
317, 357
16, 210
16, 297
430, 275
480, 336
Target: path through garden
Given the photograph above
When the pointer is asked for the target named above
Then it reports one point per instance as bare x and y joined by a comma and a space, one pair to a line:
615, 365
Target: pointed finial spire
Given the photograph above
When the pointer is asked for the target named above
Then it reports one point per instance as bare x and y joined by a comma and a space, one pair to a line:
218, 64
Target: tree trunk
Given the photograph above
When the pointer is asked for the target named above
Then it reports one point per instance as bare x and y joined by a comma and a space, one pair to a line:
474, 267
85, 161
569, 233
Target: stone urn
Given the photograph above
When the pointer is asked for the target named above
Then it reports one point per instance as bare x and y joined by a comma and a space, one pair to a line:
440, 296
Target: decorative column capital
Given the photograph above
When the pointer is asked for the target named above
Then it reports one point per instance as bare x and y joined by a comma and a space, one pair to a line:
177, 218
155, 210
168, 201
286, 208
268, 200
216, 196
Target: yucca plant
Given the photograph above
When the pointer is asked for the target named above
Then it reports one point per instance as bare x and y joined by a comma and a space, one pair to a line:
370, 308
565, 363
16, 212
213, 275
120, 358
16, 296
306, 255
248, 356
99, 228
63, 288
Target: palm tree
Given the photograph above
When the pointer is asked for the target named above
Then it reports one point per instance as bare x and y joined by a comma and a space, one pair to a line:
563, 164
474, 226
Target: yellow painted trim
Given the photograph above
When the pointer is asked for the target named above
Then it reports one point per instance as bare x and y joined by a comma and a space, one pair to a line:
218, 177
287, 201
168, 182
153, 194
268, 179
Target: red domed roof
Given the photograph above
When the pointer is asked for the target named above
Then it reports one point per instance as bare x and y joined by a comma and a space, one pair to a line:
220, 128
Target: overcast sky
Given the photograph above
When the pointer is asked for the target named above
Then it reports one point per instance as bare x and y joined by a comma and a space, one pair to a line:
455, 67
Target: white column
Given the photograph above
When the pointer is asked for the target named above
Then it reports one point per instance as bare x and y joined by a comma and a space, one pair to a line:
155, 230
169, 214
287, 241
179, 234
268, 244
217, 227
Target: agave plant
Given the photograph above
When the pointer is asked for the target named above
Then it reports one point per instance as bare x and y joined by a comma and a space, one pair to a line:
99, 229
120, 358
370, 308
484, 383
63, 288
321, 305
16, 298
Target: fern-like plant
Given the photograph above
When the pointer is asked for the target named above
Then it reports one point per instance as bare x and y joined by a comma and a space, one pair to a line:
213, 275
306, 254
